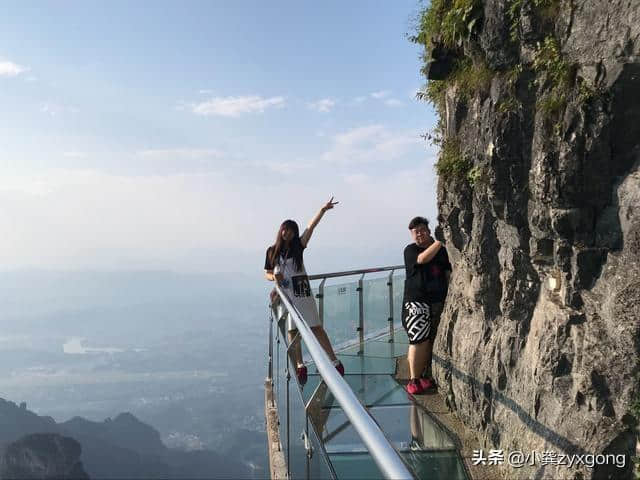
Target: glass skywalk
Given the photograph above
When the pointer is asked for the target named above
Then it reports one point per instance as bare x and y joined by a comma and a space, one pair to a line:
317, 438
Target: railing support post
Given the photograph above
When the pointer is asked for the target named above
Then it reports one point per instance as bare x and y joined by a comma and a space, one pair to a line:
288, 425
320, 297
361, 313
270, 368
390, 284
273, 398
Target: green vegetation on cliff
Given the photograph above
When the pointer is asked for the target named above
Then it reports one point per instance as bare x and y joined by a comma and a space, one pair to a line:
450, 31
449, 22
452, 163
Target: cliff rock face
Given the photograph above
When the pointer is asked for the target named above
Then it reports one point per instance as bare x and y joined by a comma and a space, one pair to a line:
539, 345
42, 455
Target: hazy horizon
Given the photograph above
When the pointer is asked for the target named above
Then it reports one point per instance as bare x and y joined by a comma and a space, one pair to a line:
166, 347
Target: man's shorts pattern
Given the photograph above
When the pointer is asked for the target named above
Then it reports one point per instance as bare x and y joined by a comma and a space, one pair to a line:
420, 320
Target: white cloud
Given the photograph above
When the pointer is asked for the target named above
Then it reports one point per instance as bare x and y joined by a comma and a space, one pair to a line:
236, 106
180, 153
393, 102
380, 95
358, 100
10, 69
371, 143
324, 105
284, 167
54, 109
74, 154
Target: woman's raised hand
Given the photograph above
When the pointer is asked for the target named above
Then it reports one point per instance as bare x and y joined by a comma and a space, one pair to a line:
329, 205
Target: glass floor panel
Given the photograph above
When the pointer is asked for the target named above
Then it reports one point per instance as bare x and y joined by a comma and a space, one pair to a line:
429, 465
370, 390
406, 427
427, 448
358, 365
378, 348
399, 336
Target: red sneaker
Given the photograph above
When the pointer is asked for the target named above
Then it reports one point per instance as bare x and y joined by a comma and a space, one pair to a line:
301, 373
427, 383
414, 387
340, 368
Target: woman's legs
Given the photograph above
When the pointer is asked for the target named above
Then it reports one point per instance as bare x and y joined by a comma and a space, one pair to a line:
322, 337
296, 350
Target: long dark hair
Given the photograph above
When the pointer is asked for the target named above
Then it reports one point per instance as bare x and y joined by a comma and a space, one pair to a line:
295, 246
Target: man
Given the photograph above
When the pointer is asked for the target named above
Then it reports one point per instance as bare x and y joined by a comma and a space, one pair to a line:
425, 289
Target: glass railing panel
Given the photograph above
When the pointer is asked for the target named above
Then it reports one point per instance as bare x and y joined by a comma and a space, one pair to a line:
406, 426
377, 348
320, 467
300, 464
443, 465
280, 389
399, 336
358, 365
428, 465
370, 390
341, 312
376, 305
294, 424
398, 293
356, 466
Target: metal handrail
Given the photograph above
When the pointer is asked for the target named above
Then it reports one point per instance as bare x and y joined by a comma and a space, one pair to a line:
354, 272
385, 456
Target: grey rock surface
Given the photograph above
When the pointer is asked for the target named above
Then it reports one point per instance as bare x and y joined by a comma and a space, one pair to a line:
42, 456
539, 345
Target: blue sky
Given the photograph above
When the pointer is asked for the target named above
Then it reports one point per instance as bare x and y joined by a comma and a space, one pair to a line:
168, 135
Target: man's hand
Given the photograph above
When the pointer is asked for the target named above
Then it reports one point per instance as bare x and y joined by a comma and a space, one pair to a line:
430, 252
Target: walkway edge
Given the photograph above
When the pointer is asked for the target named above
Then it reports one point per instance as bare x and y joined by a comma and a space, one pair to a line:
277, 464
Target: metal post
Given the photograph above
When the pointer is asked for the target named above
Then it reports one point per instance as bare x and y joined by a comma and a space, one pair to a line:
320, 297
270, 369
288, 426
273, 398
307, 445
361, 313
390, 284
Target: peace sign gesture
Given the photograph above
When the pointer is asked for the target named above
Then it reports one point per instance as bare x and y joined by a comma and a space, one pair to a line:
329, 205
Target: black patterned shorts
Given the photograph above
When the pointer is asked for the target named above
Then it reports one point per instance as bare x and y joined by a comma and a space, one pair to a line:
420, 320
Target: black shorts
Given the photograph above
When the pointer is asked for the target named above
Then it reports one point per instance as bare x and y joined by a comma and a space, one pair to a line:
420, 320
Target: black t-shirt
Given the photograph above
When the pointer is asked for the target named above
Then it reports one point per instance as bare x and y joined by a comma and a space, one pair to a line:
267, 260
425, 282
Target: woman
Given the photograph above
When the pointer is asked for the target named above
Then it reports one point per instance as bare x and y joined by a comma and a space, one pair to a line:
284, 264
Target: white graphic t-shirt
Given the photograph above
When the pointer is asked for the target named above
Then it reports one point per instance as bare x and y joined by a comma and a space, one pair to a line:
296, 284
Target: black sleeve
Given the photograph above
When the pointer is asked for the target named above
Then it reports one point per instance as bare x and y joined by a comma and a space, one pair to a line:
445, 259
410, 258
267, 260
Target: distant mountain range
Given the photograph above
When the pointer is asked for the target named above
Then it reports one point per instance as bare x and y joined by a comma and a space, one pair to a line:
123, 447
